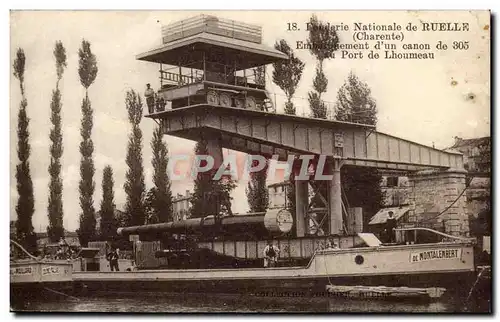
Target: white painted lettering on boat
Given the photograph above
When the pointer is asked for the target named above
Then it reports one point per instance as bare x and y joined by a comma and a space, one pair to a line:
51, 270
435, 254
21, 270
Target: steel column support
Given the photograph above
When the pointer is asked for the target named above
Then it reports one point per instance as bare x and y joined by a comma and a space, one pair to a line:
301, 205
335, 198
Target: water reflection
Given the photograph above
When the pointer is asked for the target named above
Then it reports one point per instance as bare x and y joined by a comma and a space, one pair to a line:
225, 303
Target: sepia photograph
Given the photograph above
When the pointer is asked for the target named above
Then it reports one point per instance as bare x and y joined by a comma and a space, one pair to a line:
250, 161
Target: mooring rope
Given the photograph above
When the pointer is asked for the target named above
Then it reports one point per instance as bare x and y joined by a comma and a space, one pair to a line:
475, 283
450, 205
61, 293
39, 261
24, 250
326, 269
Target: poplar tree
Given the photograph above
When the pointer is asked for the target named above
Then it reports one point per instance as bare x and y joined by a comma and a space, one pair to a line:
210, 197
355, 103
257, 192
55, 230
361, 185
287, 74
323, 43
26, 202
107, 211
203, 188
87, 70
134, 185
161, 203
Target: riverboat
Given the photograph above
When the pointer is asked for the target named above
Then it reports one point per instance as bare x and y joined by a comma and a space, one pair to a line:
448, 265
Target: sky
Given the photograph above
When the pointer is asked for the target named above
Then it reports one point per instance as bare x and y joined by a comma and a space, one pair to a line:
426, 101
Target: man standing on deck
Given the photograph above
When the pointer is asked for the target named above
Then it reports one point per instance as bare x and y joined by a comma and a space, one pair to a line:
389, 227
270, 254
150, 98
113, 260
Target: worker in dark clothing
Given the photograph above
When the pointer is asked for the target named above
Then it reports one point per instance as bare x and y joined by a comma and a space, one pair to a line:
113, 260
270, 254
389, 227
150, 98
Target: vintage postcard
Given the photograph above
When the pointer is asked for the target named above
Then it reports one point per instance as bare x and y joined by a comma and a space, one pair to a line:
250, 161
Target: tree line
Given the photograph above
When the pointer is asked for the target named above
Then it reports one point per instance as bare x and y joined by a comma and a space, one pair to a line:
354, 104
136, 208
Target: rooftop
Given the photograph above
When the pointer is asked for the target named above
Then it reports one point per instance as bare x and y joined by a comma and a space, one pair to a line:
189, 52
214, 25
192, 41
459, 142
66, 234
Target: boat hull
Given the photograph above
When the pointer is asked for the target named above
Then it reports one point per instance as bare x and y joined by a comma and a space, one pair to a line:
450, 266
455, 283
23, 295
34, 279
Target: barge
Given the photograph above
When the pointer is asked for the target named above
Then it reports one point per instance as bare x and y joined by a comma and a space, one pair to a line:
33, 277
449, 265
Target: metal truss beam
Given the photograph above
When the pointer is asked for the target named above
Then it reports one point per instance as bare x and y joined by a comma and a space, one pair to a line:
268, 133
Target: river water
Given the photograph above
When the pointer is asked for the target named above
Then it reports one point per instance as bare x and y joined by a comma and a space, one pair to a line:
174, 303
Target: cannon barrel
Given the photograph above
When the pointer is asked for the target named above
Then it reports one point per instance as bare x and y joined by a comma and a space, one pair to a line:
274, 221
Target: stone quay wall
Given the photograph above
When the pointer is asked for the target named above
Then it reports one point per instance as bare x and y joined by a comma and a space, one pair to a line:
433, 192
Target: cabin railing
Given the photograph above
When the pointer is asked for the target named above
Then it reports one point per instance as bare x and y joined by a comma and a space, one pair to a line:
416, 229
213, 71
178, 79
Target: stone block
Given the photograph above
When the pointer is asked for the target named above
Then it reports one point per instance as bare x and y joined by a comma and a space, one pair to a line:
436, 191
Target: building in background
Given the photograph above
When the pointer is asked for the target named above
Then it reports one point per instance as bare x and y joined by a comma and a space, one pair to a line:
477, 161
181, 205
395, 189
71, 237
120, 217
278, 194
477, 153
396, 192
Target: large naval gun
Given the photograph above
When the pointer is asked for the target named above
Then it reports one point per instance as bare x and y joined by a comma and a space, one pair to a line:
180, 240
273, 223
